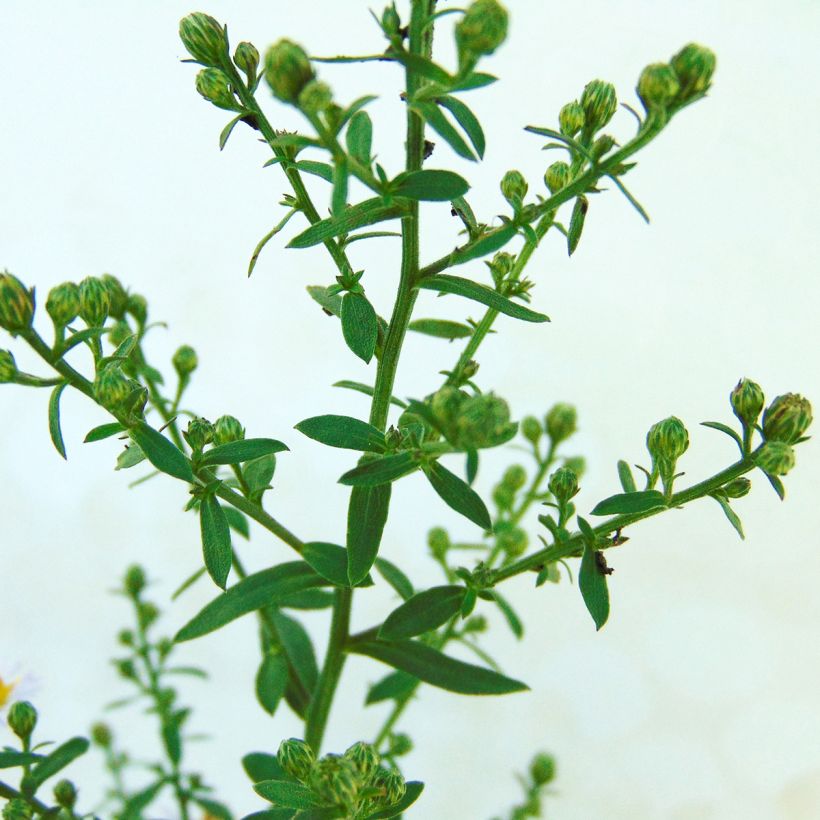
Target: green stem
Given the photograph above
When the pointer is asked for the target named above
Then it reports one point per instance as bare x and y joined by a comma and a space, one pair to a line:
10, 793
27, 380
47, 354
530, 495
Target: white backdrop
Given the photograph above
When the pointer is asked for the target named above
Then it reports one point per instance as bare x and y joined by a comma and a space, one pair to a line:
699, 698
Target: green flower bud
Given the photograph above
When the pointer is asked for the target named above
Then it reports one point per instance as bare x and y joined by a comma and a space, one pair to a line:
147, 614
561, 422
694, 66
287, 70
737, 488
126, 669
446, 404
511, 539
138, 307
213, 85
112, 388
514, 188
65, 793
787, 418
228, 429
481, 30
531, 429
164, 647
391, 785
484, 421
22, 718
199, 433
296, 758
747, 401
563, 484
16, 304
101, 735
600, 102
667, 440
657, 86
391, 22
126, 637
118, 297
439, 542
63, 303
542, 769
603, 145
401, 744
119, 332
95, 301
246, 58
315, 97
571, 118
17, 809
775, 458
203, 38
135, 581
558, 176
477, 623
515, 477
503, 497
335, 780
185, 361
364, 758
8, 367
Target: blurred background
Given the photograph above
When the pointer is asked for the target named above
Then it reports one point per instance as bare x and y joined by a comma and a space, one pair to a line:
698, 700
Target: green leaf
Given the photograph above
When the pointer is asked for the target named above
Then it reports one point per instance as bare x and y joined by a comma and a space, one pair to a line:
298, 648
395, 577
216, 540
366, 517
475, 79
338, 200
430, 185
330, 561
188, 582
214, 808
287, 794
592, 583
587, 533
734, 520
631, 502
272, 814
317, 169
355, 106
271, 681
308, 599
263, 766
343, 431
441, 328
445, 283
395, 686
143, 798
487, 244
360, 326
329, 302
129, 457
164, 455
716, 425
359, 137
423, 66
54, 418
458, 495
380, 470
103, 431
509, 613
48, 766
10, 759
433, 116
625, 476
237, 521
251, 593
467, 120
471, 466
258, 473
413, 792
237, 452
424, 611
367, 390
228, 129
437, 669
356, 216
776, 483
576, 223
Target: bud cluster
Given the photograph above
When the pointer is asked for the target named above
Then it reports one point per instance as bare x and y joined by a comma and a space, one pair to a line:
472, 422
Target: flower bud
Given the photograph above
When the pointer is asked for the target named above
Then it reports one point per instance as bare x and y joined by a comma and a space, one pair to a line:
112, 388
199, 433
445, 405
603, 145
531, 429
515, 477
213, 85
511, 539
296, 758
65, 793
125, 637
563, 484
364, 758
101, 735
657, 86
16, 304
775, 458
391, 22
501, 267
477, 623
287, 70
439, 542
503, 497
17, 809
147, 614
135, 580
481, 30
558, 176
514, 188
138, 307
118, 298
63, 303
694, 66
401, 744
185, 361
542, 769
787, 418
600, 103
484, 421
334, 779
315, 97
391, 784
737, 488
8, 367
228, 429
246, 58
747, 401
126, 669
571, 118
22, 718
95, 301
203, 38
667, 440
561, 422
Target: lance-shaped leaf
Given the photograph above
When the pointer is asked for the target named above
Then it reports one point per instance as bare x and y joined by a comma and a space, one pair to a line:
359, 137
438, 669
216, 540
263, 766
338, 200
367, 515
436, 119
467, 120
364, 213
298, 648
411, 794
395, 686
458, 495
425, 611
54, 762
625, 477
730, 514
287, 794
724, 428
395, 577
330, 561
237, 521
237, 452
309, 599
360, 325
343, 431
631, 502
510, 614
251, 593
441, 328
366, 390
102, 432
11, 759
576, 223
493, 241
317, 169
164, 455
54, 419
430, 185
271, 681
329, 302
423, 66
380, 470
445, 283
593, 586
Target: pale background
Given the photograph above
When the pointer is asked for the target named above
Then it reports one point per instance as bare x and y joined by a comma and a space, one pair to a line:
699, 698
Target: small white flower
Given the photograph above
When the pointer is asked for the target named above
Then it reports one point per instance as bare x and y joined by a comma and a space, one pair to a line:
14, 685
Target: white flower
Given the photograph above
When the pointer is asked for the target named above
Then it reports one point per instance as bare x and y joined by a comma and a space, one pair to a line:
14, 685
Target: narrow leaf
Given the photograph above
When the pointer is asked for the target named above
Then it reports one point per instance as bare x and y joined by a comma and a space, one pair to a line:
216, 540
309, 599
271, 681
360, 326
467, 120
630, 502
227, 130
338, 201
430, 185
356, 216
412, 793
380, 470
258, 473
487, 244
366, 390
188, 582
237, 521
395, 686
10, 759
359, 137
734, 520
509, 613
592, 583
777, 484
329, 302
237, 452
441, 328
424, 611
52, 763
576, 223
625, 476
423, 66
343, 431
102, 432
263, 766
395, 577
724, 428
317, 169
367, 515
164, 455
433, 116
330, 561
287, 794
54, 418
458, 495
471, 466
298, 648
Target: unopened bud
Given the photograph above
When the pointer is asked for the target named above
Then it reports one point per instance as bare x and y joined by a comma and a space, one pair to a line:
95, 301
391, 784
563, 484
542, 769
603, 145
694, 66
199, 433
287, 70
203, 38
600, 102
477, 623
126, 669
571, 118
400, 744
558, 176
135, 580
246, 58
315, 97
775, 458
147, 614
17, 809
63, 303
8, 367
511, 539
391, 23
667, 440
118, 298
561, 422
213, 85
747, 401
228, 429
531, 429
16, 304
138, 307
185, 361
503, 497
65, 793
515, 477
22, 718
514, 188
125, 637
787, 418
657, 86
484, 421
101, 734
481, 30
438, 541
737, 488
296, 758
112, 388
364, 758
